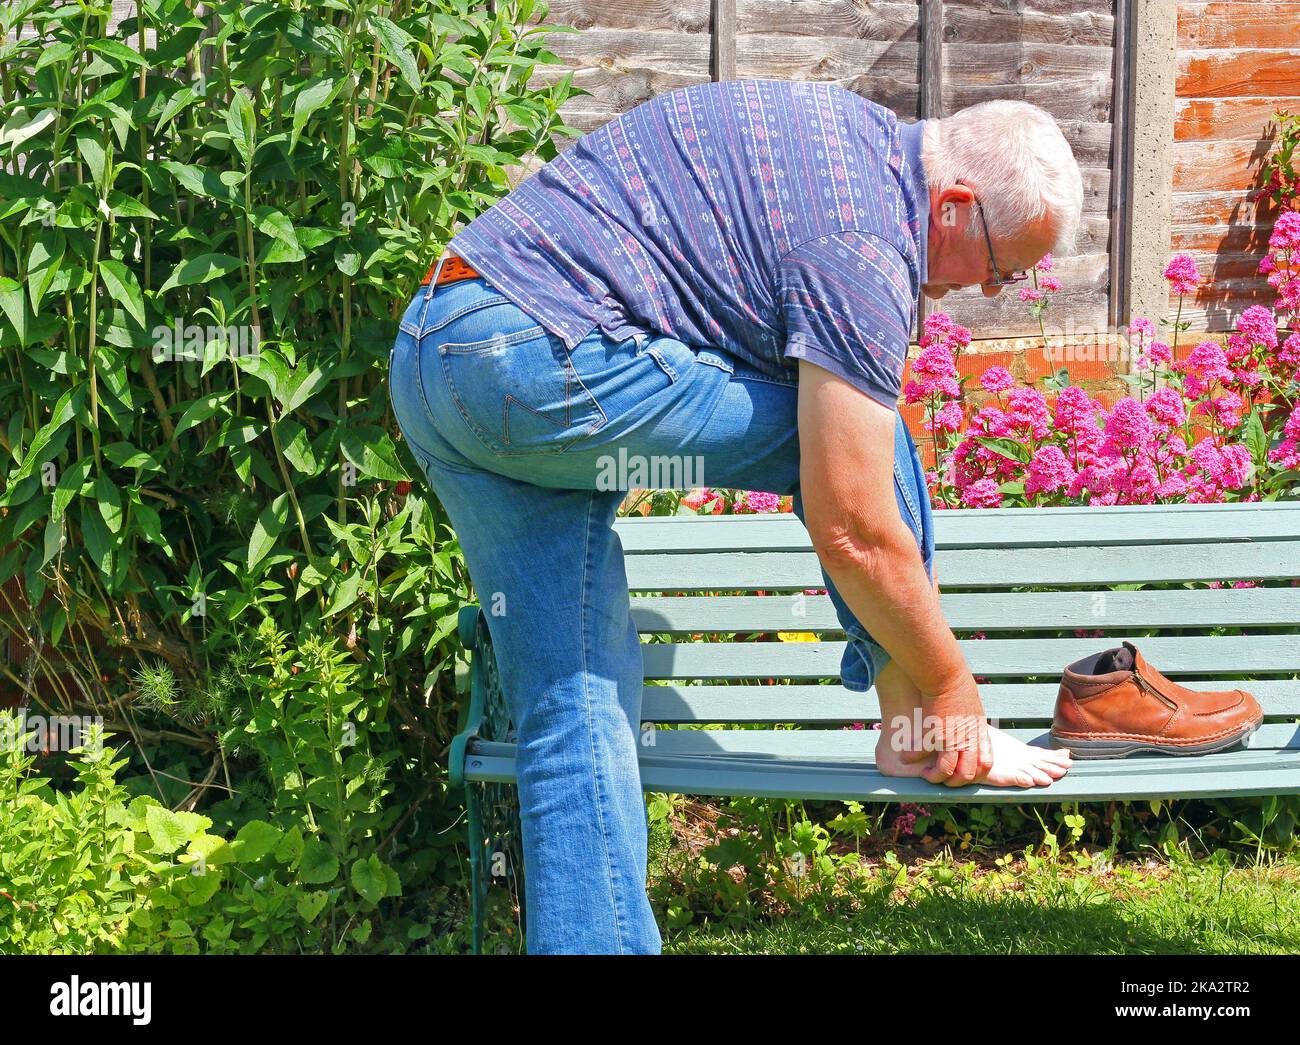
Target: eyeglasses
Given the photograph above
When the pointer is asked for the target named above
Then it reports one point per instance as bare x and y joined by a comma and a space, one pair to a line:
998, 279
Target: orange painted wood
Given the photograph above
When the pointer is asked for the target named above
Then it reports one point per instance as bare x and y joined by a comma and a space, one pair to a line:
1238, 25
1229, 119
1238, 207
1238, 73
1217, 166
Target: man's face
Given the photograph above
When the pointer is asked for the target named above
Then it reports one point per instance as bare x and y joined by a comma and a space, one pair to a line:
958, 258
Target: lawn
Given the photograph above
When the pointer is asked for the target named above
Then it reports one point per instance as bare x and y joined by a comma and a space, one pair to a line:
1179, 906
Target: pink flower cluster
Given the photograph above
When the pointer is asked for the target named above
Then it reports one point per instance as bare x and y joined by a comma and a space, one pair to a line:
1281, 265
1184, 441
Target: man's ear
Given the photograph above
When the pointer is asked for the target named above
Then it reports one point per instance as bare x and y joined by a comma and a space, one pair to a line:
948, 205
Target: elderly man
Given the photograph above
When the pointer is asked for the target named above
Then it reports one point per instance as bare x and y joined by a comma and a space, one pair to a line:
727, 277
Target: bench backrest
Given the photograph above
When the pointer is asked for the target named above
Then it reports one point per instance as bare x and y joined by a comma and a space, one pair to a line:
686, 574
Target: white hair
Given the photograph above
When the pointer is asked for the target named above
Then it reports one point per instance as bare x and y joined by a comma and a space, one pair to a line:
1016, 159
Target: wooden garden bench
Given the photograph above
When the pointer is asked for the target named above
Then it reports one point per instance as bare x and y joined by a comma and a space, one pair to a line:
1024, 577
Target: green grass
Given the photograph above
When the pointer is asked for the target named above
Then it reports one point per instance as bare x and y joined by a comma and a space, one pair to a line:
1187, 907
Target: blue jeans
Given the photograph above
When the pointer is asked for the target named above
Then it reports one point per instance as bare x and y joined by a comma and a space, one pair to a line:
519, 439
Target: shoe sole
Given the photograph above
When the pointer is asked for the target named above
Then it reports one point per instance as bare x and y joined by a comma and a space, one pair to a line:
1080, 748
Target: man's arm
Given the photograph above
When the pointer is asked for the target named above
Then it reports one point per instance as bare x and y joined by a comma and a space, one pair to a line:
846, 466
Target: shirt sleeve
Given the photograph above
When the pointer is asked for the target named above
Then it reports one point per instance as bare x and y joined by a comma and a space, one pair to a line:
848, 301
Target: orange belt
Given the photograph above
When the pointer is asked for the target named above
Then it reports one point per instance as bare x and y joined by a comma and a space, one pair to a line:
454, 269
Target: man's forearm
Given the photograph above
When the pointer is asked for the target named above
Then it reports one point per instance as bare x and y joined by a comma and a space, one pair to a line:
884, 583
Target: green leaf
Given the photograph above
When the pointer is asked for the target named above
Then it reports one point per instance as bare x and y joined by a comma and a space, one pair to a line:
373, 453
91, 147
369, 879
302, 384
310, 905
166, 829
314, 95
394, 41
1257, 439
1004, 447
201, 269
270, 524
200, 180
242, 123
255, 839
345, 594
122, 287
200, 410
99, 542
296, 444
19, 127
69, 486
121, 52
290, 847
43, 265
14, 307
109, 499
318, 864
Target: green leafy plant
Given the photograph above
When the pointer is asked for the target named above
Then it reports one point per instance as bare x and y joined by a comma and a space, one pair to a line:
209, 227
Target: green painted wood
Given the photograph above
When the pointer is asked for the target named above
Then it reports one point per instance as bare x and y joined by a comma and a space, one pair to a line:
975, 528
1030, 611
1019, 702
980, 568
814, 775
984, 549
1241, 656
832, 746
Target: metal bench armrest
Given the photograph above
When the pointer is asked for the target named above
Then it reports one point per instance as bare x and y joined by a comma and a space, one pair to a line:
471, 722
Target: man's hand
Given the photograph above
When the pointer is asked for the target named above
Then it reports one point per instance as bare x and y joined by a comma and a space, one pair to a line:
956, 736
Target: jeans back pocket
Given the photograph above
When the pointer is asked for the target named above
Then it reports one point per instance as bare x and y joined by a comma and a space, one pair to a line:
518, 392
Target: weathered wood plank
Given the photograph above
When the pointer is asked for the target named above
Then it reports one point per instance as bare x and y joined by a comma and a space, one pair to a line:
997, 23
1217, 166
778, 56
1236, 25
1235, 207
724, 40
931, 72
1238, 72
1228, 119
852, 18
678, 16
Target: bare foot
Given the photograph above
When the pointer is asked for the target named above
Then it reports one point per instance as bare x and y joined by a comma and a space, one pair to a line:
1014, 764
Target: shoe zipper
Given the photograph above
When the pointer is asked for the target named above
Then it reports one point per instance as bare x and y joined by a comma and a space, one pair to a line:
1146, 686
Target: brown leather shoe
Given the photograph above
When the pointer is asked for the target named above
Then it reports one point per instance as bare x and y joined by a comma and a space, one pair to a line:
1114, 703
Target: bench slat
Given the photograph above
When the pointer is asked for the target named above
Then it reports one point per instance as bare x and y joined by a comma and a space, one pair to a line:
1030, 611
1253, 771
980, 568
1026, 702
984, 527
829, 746
1227, 655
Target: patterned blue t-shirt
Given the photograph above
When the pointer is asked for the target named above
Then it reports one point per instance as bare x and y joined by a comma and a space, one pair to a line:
777, 221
